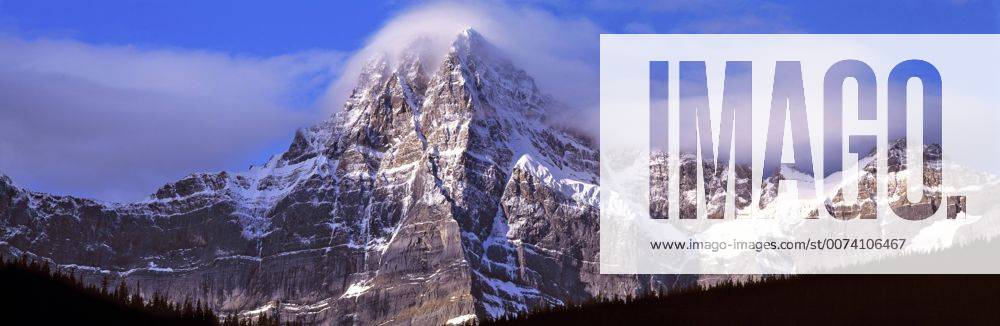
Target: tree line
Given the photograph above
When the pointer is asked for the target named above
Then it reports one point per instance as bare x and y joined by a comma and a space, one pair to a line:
793, 300
34, 290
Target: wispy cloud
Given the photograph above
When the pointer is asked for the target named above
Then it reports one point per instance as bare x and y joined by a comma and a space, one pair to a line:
115, 122
561, 53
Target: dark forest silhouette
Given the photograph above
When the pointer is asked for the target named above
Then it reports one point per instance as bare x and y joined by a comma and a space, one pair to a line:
34, 292
797, 300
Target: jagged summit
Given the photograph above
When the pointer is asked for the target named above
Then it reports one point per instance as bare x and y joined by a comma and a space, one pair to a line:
470, 42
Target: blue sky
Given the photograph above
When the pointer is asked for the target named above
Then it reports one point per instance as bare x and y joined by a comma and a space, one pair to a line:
273, 27
160, 89
249, 27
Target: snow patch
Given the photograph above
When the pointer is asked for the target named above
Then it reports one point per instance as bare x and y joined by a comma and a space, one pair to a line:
461, 319
357, 289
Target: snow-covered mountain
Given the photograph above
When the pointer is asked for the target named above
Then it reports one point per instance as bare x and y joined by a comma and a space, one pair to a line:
434, 196
438, 194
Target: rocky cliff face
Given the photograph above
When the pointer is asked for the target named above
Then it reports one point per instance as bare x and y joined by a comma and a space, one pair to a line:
434, 196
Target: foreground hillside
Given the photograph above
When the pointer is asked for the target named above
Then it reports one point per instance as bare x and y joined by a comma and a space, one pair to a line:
804, 300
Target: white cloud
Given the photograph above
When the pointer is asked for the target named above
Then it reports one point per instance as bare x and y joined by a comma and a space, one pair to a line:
560, 53
116, 122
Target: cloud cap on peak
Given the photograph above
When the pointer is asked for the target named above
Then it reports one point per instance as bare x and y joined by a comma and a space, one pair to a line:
560, 53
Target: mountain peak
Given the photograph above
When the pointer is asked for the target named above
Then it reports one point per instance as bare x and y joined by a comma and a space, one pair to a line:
470, 33
470, 42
